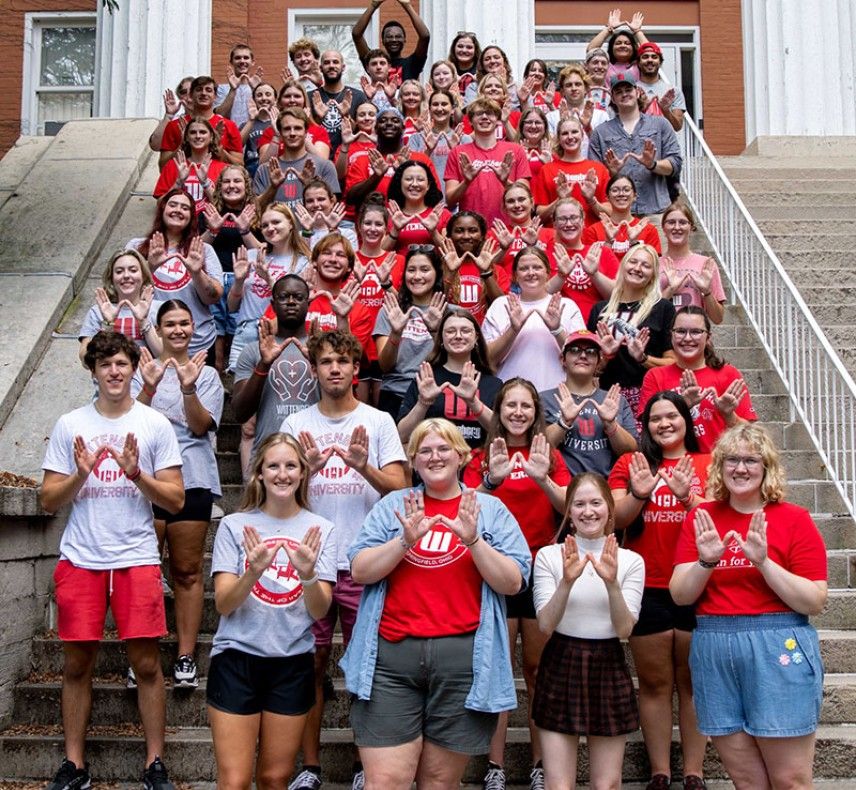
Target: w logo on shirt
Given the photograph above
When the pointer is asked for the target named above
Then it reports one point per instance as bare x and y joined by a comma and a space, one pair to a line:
436, 542
436, 548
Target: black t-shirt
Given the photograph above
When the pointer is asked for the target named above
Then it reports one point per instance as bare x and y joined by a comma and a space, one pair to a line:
332, 120
623, 369
451, 407
410, 67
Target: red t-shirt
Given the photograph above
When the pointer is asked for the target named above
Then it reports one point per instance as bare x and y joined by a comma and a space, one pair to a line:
708, 422
359, 170
523, 497
544, 189
371, 294
621, 242
314, 134
663, 517
436, 589
736, 587
192, 185
230, 136
517, 244
470, 291
414, 232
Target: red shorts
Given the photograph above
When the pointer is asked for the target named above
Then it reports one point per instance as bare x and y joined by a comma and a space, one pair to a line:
134, 595
346, 599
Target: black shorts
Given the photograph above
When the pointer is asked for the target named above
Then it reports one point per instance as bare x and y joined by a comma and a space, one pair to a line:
522, 604
245, 684
197, 507
370, 371
660, 613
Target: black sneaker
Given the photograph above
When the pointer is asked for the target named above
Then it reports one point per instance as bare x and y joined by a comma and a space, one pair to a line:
155, 778
70, 777
185, 674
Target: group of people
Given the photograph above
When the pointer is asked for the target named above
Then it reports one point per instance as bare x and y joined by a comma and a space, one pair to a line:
479, 400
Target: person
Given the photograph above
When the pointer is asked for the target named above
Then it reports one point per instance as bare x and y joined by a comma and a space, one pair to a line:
590, 427
182, 265
429, 664
517, 465
587, 595
492, 86
653, 490
455, 382
379, 83
443, 76
332, 100
534, 135
688, 278
413, 105
124, 303
282, 178
633, 324
393, 39
440, 137
406, 324
618, 227
464, 54
195, 166
477, 171
576, 102
175, 104
417, 213
642, 146
597, 65
293, 93
357, 138
523, 228
272, 376
355, 458
274, 566
261, 112
715, 391
111, 460
305, 56
321, 213
189, 394
661, 98
622, 39
234, 97
535, 91
754, 566
524, 333
493, 60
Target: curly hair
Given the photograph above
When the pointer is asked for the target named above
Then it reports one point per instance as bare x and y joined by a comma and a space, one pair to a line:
220, 204
106, 344
757, 438
339, 341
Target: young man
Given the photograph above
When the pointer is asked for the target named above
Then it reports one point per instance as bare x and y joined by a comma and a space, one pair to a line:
305, 56
111, 460
477, 172
333, 99
380, 85
661, 98
202, 93
356, 458
393, 39
641, 146
282, 180
590, 427
233, 97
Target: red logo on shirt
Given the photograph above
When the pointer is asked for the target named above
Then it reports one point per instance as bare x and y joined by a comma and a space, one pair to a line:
172, 276
279, 585
107, 470
438, 547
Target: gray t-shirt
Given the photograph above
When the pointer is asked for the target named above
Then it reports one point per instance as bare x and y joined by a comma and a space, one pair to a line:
290, 191
660, 88
125, 322
255, 298
290, 387
586, 447
272, 621
199, 463
416, 344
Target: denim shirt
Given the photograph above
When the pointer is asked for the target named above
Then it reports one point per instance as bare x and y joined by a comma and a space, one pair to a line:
493, 681
652, 191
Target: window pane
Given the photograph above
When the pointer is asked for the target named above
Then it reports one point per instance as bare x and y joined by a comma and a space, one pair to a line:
337, 36
63, 107
68, 56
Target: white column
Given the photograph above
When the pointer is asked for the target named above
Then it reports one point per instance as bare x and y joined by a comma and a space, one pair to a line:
508, 23
799, 67
146, 46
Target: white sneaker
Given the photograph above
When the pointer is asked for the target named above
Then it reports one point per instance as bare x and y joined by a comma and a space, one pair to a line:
306, 780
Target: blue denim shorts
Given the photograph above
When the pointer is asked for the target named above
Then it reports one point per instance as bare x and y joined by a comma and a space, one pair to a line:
760, 674
224, 321
247, 332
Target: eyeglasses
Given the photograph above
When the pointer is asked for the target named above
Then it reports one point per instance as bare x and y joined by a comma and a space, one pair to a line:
427, 453
568, 220
694, 333
480, 113
583, 351
679, 223
751, 462
425, 248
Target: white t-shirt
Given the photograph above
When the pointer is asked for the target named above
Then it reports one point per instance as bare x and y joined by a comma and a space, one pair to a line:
587, 612
337, 492
111, 524
273, 620
534, 354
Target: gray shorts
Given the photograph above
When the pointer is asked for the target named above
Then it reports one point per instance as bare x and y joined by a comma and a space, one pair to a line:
419, 689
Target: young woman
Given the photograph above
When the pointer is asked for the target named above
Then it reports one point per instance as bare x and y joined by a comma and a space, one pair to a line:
653, 490
587, 598
182, 265
464, 54
417, 213
412, 103
438, 140
533, 91
518, 209
455, 381
633, 324
190, 395
293, 94
124, 303
406, 324
443, 76
686, 277
755, 568
357, 137
493, 61
518, 466
262, 114
525, 333
321, 213
715, 391
534, 136
619, 228
274, 566
195, 166
622, 41
492, 86
433, 587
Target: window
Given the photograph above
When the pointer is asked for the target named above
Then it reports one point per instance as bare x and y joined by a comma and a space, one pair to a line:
331, 29
59, 70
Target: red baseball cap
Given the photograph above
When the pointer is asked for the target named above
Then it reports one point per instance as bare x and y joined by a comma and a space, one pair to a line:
649, 46
582, 336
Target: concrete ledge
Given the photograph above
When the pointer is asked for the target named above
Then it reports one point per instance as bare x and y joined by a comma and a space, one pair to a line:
798, 146
21, 503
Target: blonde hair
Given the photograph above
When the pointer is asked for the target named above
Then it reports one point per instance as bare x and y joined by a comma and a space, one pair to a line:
107, 277
295, 240
491, 76
652, 293
750, 433
255, 495
558, 148
423, 97
445, 430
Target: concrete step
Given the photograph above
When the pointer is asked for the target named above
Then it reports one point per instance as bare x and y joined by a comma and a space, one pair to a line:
831, 257
778, 183
840, 611
810, 276
835, 294
778, 193
827, 314
841, 335
748, 168
806, 226
837, 211
780, 237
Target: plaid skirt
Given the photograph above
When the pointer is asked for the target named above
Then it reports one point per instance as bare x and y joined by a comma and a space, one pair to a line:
584, 688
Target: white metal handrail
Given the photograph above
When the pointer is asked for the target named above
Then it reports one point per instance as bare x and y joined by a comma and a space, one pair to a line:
821, 390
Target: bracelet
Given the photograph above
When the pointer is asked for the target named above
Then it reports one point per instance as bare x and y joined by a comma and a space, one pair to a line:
404, 544
557, 332
486, 275
309, 582
107, 324
653, 167
473, 542
708, 565
610, 429
136, 476
149, 390
262, 373
396, 343
387, 285
704, 295
644, 359
562, 424
488, 484
146, 327
188, 391
686, 501
307, 234
427, 404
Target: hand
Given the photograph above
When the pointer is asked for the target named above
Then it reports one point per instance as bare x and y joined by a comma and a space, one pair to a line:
613, 162
398, 218
499, 462
334, 216
84, 459
307, 172
240, 264
356, 454
261, 267
564, 185
308, 222
614, 19
552, 316
275, 174
202, 169
432, 218
608, 410
572, 564
537, 465
586, 115
676, 280
642, 481
245, 219
702, 280
589, 185
680, 478
347, 131
755, 545
259, 554
213, 219
591, 263
319, 109
189, 372
525, 89
376, 162
232, 78
286, 74
269, 348
502, 233
151, 369
607, 566
414, 525
384, 271
465, 524
610, 229
667, 100
395, 315
467, 388
564, 264
636, 22
144, 304
316, 458
690, 390
728, 402
182, 167
515, 312
434, 314
708, 543
530, 232
430, 139
427, 386
485, 258
468, 170
108, 310
303, 558
368, 87
171, 104
608, 341
648, 155
346, 298
568, 405
504, 169
128, 460
451, 260
256, 77
634, 231
636, 345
